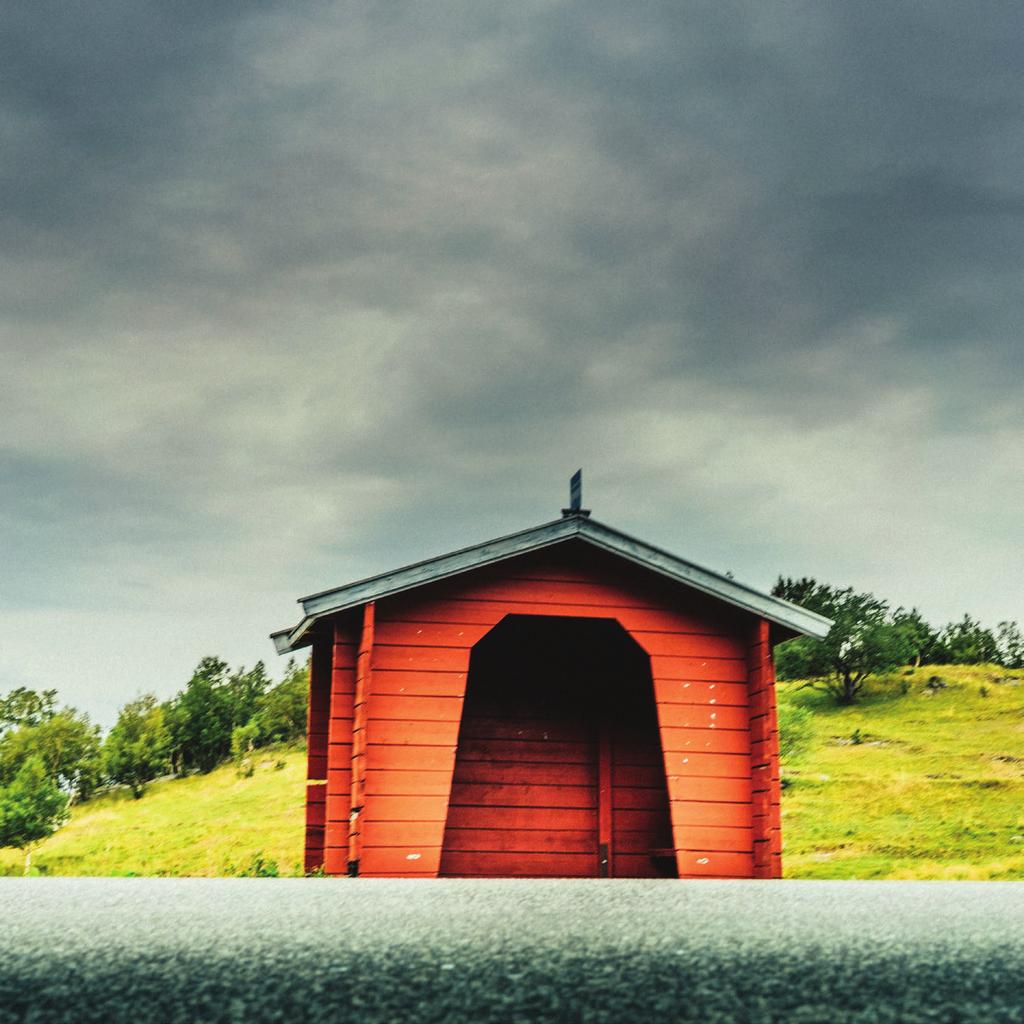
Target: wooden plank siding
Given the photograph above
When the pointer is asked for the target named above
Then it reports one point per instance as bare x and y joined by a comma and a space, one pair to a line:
703, 711
765, 775
414, 708
715, 765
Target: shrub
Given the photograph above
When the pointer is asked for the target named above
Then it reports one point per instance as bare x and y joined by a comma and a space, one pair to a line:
260, 867
243, 740
795, 732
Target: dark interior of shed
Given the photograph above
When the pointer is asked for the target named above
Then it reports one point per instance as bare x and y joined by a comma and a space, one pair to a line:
559, 770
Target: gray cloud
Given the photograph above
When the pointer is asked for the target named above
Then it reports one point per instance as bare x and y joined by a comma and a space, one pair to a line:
293, 293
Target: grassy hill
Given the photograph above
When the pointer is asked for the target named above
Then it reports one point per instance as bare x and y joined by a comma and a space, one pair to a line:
205, 825
926, 783
933, 789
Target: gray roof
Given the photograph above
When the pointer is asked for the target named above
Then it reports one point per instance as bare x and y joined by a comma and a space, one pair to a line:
572, 527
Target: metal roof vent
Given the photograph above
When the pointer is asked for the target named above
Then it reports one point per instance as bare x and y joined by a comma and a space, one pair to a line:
576, 497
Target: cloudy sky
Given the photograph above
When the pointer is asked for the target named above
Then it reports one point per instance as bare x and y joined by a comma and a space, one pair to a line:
291, 293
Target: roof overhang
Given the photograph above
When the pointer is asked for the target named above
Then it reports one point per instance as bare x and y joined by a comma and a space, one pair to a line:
329, 602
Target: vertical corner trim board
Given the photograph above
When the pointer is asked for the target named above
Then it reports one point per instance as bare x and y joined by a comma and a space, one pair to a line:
361, 696
764, 748
341, 642
316, 745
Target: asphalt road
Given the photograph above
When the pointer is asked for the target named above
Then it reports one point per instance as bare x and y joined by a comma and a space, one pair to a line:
310, 950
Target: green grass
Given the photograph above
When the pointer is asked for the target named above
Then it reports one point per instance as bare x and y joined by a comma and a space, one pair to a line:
935, 789
201, 825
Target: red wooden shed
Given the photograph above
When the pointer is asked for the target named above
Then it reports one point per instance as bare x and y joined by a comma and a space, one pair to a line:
566, 701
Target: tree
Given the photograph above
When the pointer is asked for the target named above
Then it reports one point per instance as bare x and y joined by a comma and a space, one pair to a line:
135, 750
921, 639
862, 641
967, 642
68, 745
282, 709
244, 691
32, 808
1011, 645
200, 720
174, 724
26, 707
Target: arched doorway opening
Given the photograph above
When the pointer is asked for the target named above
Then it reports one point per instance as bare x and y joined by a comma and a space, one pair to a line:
559, 770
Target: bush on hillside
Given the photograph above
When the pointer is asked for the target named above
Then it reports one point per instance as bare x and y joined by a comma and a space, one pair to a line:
796, 732
243, 740
260, 867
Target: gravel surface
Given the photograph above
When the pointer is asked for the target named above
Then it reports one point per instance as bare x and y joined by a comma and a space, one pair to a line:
310, 950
